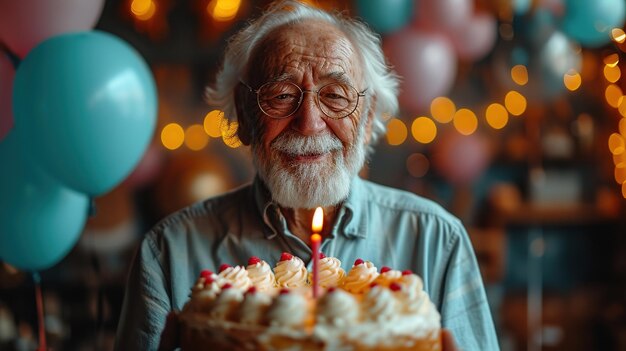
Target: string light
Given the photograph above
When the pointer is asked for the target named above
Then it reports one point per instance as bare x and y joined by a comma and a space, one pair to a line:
195, 137
223, 10
618, 35
396, 132
519, 74
515, 103
424, 130
497, 116
465, 121
212, 122
442, 109
613, 95
572, 80
143, 9
172, 136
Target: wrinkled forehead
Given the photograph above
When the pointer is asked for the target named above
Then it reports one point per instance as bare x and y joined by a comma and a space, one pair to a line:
312, 46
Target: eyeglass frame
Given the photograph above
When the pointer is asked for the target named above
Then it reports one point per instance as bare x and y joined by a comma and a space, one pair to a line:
302, 91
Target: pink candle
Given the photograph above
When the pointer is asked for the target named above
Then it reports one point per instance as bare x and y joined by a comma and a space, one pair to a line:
316, 239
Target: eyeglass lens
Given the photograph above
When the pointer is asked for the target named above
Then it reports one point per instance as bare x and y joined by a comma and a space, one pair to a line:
281, 99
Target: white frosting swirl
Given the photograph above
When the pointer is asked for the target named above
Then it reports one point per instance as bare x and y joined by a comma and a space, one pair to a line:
360, 277
261, 276
291, 273
226, 303
379, 304
330, 273
237, 276
253, 307
385, 279
288, 310
338, 308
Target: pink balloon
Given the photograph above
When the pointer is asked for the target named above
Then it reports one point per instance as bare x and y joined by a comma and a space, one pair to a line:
461, 159
442, 14
427, 63
475, 38
26, 23
7, 73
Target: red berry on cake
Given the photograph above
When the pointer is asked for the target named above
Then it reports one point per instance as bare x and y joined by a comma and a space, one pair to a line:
226, 286
284, 291
358, 262
331, 289
286, 256
395, 286
373, 284
251, 290
385, 269
206, 274
407, 272
322, 255
253, 260
224, 267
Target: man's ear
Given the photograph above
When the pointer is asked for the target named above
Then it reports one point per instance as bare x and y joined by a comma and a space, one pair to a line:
371, 114
244, 132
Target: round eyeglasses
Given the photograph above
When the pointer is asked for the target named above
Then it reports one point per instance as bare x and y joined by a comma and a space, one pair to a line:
282, 99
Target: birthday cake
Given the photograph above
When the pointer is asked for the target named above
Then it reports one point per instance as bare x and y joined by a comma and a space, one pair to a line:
260, 308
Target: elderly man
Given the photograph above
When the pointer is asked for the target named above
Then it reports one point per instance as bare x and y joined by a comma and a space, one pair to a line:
309, 90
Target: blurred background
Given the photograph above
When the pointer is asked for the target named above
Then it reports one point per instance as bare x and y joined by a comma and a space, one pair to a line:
512, 117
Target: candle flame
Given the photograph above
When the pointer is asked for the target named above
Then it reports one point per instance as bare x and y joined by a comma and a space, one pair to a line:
318, 220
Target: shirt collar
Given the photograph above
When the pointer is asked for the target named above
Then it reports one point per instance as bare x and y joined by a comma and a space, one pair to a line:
351, 217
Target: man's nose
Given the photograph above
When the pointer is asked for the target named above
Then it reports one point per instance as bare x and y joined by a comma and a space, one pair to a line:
309, 118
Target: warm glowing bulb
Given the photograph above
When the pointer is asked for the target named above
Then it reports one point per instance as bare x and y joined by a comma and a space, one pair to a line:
442, 109
497, 116
572, 80
611, 60
622, 127
618, 35
223, 10
613, 95
612, 73
143, 9
515, 103
318, 220
519, 74
196, 138
424, 130
172, 136
465, 121
620, 173
616, 142
212, 122
396, 132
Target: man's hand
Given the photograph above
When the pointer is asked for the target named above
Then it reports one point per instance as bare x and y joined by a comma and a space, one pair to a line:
447, 341
171, 332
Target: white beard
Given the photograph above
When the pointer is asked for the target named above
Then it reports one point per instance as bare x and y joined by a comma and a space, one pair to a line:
310, 184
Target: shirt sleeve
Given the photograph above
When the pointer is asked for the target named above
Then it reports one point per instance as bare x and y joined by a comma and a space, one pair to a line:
146, 302
465, 310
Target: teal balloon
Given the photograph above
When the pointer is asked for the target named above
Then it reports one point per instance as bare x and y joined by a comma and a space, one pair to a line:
40, 220
385, 16
85, 105
589, 22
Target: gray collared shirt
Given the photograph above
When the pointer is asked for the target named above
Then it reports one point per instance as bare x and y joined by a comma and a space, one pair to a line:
387, 226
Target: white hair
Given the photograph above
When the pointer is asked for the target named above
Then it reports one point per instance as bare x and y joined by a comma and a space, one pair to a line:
382, 82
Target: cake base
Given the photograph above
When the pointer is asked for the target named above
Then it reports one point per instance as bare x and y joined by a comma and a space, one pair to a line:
242, 338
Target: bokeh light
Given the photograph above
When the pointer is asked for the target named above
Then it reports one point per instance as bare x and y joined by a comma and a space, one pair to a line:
417, 165
613, 95
519, 74
612, 73
619, 157
618, 35
212, 122
616, 143
229, 133
442, 109
497, 116
611, 60
465, 121
223, 10
195, 137
622, 127
424, 130
624, 190
572, 80
143, 9
515, 103
396, 132
172, 136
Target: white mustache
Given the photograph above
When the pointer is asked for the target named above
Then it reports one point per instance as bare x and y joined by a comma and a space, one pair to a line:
294, 144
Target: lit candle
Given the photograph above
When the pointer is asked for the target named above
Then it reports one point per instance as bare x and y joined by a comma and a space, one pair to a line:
316, 238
